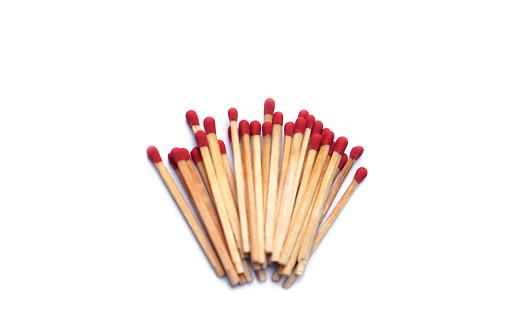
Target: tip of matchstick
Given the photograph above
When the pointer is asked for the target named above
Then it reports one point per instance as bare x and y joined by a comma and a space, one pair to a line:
269, 106
278, 118
255, 128
222, 147
233, 114
318, 127
201, 138
310, 121
343, 161
356, 152
229, 133
289, 129
315, 142
243, 128
180, 155
192, 118
153, 154
299, 125
209, 125
361, 174
341, 145
332, 146
267, 128
328, 137
303, 114
172, 161
195, 155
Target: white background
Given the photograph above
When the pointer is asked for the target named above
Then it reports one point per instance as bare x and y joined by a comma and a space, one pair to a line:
90, 239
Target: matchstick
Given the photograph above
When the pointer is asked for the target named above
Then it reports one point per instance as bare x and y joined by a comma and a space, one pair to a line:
255, 128
202, 141
304, 148
289, 133
289, 193
317, 211
197, 160
209, 218
239, 178
228, 170
221, 177
155, 157
193, 121
268, 110
274, 171
267, 131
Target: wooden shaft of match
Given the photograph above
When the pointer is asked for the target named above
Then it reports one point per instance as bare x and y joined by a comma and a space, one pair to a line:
221, 210
272, 194
204, 176
209, 218
240, 184
268, 118
250, 195
259, 200
283, 170
317, 212
303, 154
225, 190
277, 275
289, 193
247, 271
196, 128
230, 177
335, 189
266, 158
190, 218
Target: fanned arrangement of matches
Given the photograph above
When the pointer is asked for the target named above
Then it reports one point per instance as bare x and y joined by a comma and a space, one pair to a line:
270, 207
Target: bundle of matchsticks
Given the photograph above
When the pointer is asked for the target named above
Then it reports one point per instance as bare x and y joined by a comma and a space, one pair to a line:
271, 208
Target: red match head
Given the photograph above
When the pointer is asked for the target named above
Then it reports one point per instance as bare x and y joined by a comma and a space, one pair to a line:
196, 156
331, 150
255, 128
209, 125
229, 133
267, 128
201, 138
180, 155
289, 129
343, 161
222, 147
310, 121
328, 137
172, 162
193, 119
153, 154
360, 175
243, 128
341, 145
315, 142
278, 118
356, 152
318, 127
269, 106
303, 114
299, 125
232, 114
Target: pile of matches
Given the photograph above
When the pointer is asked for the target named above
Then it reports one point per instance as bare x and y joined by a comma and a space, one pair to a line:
268, 210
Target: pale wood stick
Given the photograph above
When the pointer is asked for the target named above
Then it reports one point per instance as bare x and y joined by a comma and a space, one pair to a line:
239, 179
229, 171
277, 275
289, 281
188, 215
247, 271
260, 274
272, 194
202, 141
289, 133
317, 212
209, 218
257, 176
304, 148
197, 160
267, 130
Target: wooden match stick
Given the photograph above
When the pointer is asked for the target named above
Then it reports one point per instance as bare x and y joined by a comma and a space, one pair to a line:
289, 193
355, 153
289, 133
239, 178
274, 171
223, 184
202, 141
255, 128
193, 121
267, 131
228, 170
155, 157
317, 212
209, 218
304, 148
256, 257
268, 110
197, 160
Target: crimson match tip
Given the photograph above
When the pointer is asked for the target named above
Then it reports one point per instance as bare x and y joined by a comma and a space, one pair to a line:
185, 154
315, 142
318, 127
229, 133
289, 129
332, 146
209, 125
278, 118
172, 161
192, 118
341, 145
361, 174
303, 114
153, 154
195, 155
299, 125
269, 106
267, 128
243, 128
222, 147
201, 138
343, 161
255, 128
233, 114
180, 155
328, 137
310, 121
356, 152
